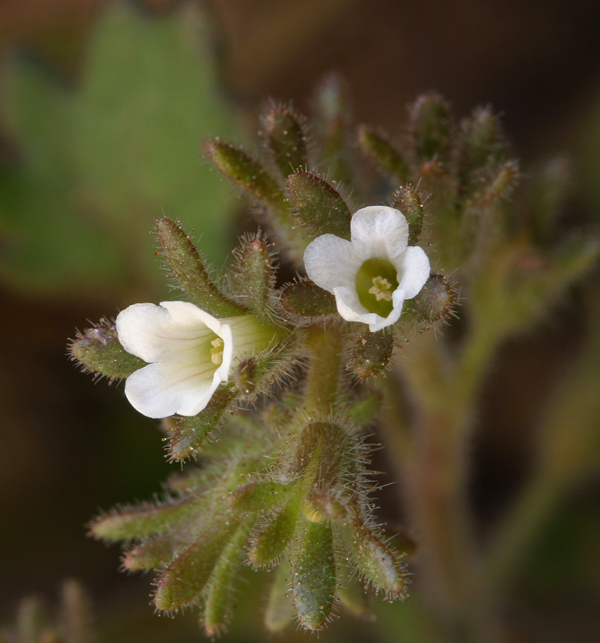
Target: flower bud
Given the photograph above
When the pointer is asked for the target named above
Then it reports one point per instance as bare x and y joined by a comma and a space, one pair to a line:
139, 522
408, 201
182, 582
371, 353
220, 592
247, 172
377, 562
332, 113
436, 300
254, 275
285, 140
430, 128
386, 155
305, 299
480, 142
314, 577
318, 204
99, 350
273, 538
150, 555
190, 272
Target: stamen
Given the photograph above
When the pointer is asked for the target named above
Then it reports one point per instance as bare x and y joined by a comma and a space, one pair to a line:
381, 289
216, 352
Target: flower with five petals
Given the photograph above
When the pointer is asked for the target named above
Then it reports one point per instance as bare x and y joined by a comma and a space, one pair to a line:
372, 274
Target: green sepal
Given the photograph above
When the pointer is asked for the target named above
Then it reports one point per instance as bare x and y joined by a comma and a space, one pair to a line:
189, 434
377, 561
331, 118
188, 269
280, 609
371, 353
258, 496
221, 588
285, 139
305, 299
246, 172
480, 144
272, 538
140, 522
254, 275
182, 582
436, 300
409, 202
152, 554
318, 204
99, 350
314, 576
383, 152
497, 183
430, 128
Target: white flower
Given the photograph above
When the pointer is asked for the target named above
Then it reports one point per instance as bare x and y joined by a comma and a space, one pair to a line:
372, 274
189, 352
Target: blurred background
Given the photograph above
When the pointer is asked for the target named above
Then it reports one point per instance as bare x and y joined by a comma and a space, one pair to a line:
103, 108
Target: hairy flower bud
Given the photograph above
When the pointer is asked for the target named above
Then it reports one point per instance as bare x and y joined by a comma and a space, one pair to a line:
314, 576
371, 353
318, 204
285, 139
383, 152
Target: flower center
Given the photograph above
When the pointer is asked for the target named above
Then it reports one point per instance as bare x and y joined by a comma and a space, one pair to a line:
216, 352
376, 281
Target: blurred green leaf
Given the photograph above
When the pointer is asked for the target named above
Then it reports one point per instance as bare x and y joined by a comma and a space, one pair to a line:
99, 163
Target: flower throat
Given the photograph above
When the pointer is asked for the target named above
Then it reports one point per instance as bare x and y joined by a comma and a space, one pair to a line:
376, 281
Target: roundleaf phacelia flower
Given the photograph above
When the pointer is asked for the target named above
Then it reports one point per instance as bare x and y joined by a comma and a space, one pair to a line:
189, 353
372, 274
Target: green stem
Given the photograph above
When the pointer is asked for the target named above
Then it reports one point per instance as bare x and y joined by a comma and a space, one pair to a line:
323, 378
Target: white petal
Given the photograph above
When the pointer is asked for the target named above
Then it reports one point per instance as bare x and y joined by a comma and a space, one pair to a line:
350, 309
331, 261
160, 390
414, 271
379, 231
152, 332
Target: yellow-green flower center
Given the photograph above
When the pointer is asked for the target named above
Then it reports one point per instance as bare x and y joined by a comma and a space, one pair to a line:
216, 352
376, 281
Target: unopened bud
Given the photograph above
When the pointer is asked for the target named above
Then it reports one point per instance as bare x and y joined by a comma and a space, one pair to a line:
409, 202
272, 539
314, 577
254, 275
190, 272
382, 151
285, 139
306, 299
430, 128
318, 204
246, 172
371, 353
436, 300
